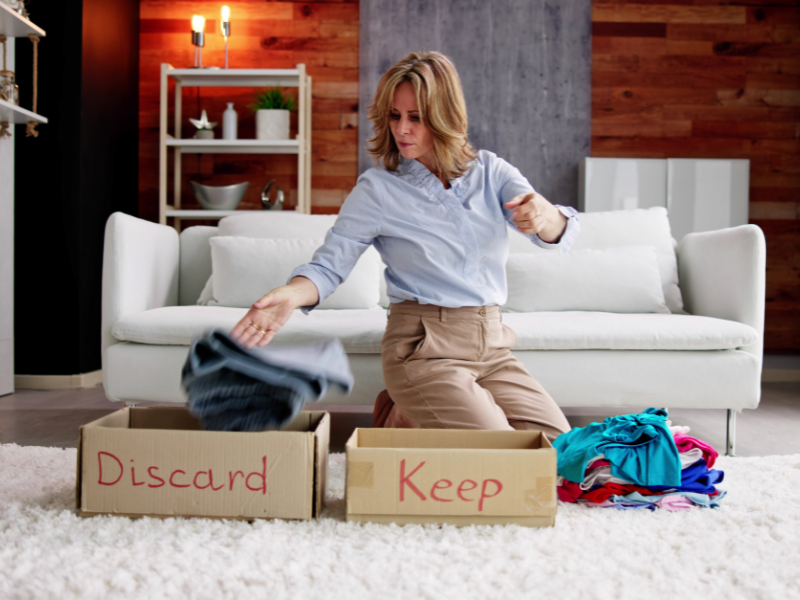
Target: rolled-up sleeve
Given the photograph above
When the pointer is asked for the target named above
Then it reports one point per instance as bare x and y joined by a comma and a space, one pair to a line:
512, 184
356, 226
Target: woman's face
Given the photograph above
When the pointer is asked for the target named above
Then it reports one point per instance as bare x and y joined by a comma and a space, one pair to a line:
413, 137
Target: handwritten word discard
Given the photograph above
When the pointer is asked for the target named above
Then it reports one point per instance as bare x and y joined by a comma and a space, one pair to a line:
112, 472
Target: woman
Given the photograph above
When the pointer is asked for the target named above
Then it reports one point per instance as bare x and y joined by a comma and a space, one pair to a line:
436, 210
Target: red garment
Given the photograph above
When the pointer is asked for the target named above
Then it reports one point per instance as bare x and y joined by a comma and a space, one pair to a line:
596, 464
569, 491
602, 494
686, 443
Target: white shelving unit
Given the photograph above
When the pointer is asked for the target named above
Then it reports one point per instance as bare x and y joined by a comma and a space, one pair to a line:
193, 146
180, 146
17, 115
12, 24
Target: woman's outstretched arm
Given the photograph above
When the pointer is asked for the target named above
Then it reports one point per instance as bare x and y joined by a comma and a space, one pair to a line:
266, 317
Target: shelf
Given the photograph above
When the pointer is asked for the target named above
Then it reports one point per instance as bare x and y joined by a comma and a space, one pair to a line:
193, 146
15, 114
12, 24
170, 167
207, 214
236, 77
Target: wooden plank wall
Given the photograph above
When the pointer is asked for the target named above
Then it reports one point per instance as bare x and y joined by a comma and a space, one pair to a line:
323, 35
711, 79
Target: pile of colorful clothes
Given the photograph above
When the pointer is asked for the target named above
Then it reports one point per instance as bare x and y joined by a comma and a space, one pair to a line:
637, 461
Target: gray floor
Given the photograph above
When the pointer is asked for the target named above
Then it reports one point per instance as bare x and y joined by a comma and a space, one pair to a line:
52, 418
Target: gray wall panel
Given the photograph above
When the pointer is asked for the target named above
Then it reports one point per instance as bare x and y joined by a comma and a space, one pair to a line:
525, 66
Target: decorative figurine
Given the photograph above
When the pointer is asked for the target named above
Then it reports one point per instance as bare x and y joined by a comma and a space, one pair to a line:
205, 130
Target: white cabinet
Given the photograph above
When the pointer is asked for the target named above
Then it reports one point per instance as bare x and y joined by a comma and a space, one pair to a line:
700, 194
301, 146
621, 184
708, 194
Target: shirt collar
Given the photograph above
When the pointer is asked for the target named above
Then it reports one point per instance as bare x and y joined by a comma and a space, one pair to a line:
424, 178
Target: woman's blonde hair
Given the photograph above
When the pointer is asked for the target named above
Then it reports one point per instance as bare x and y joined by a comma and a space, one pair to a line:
441, 108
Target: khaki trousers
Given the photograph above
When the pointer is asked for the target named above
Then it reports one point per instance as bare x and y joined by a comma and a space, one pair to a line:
452, 368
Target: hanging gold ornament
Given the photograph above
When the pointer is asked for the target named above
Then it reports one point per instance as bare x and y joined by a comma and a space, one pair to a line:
31, 125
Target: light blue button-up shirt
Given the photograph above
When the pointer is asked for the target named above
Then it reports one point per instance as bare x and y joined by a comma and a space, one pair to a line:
442, 247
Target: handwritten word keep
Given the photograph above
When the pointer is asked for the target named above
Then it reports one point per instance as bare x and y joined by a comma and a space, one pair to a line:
437, 493
112, 472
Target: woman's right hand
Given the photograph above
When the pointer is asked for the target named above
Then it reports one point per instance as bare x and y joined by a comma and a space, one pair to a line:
266, 317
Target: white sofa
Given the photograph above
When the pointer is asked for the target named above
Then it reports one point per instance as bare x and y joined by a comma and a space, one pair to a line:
708, 358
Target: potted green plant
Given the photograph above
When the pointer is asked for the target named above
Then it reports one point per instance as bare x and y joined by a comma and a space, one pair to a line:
272, 108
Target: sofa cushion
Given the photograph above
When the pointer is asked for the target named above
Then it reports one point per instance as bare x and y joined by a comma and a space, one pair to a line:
618, 280
618, 228
612, 331
360, 331
244, 269
290, 224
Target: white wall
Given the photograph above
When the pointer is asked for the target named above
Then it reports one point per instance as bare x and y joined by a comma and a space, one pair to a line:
7, 251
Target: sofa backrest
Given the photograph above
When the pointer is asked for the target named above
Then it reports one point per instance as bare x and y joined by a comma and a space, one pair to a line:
598, 231
195, 262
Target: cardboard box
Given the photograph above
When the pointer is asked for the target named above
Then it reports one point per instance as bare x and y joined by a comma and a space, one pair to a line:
159, 462
451, 476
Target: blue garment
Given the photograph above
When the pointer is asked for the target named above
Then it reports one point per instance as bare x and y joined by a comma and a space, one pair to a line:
640, 448
233, 389
442, 247
697, 478
635, 500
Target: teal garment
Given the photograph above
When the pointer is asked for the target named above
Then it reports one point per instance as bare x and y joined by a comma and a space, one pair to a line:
640, 448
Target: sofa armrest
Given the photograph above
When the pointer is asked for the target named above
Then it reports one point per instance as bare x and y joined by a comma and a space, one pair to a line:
140, 271
723, 274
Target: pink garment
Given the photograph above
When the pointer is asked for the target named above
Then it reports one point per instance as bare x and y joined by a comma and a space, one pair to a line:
686, 443
676, 502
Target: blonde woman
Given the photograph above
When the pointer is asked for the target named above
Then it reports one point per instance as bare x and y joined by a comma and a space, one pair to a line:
437, 212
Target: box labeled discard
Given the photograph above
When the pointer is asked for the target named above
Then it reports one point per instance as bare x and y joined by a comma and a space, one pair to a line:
451, 476
158, 462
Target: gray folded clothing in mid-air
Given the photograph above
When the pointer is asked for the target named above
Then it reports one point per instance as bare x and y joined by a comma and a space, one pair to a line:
233, 389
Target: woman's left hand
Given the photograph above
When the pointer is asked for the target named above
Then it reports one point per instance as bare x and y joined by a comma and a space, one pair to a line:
532, 213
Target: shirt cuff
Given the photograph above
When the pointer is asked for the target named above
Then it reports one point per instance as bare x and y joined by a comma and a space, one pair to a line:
568, 237
308, 272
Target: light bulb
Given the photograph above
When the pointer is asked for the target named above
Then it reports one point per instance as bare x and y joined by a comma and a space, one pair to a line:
198, 23
226, 14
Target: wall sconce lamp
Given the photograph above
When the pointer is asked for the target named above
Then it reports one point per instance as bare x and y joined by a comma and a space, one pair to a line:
198, 39
226, 29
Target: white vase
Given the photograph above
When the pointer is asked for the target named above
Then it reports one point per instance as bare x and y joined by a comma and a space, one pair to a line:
272, 124
229, 123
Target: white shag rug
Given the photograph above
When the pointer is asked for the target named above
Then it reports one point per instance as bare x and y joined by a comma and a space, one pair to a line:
749, 548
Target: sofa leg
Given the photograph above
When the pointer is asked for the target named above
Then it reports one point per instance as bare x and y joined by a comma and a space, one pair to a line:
730, 446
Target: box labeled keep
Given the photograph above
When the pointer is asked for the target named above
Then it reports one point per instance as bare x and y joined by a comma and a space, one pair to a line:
451, 477
158, 462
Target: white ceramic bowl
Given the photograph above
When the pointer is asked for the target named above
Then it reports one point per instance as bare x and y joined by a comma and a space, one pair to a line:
216, 197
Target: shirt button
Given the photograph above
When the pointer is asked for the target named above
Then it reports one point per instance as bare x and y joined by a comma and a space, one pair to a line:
482, 312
